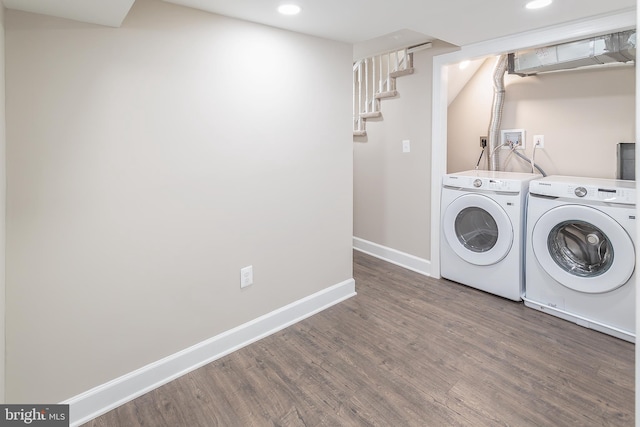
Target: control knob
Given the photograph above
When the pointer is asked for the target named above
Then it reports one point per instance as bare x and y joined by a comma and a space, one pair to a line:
477, 183
580, 191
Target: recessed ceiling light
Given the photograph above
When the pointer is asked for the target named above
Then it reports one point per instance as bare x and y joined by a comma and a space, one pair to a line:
289, 9
537, 4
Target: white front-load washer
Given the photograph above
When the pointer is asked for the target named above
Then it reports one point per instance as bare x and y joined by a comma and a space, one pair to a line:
580, 252
482, 227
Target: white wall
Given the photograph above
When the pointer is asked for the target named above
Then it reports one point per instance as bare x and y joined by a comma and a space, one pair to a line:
392, 195
3, 187
582, 114
148, 164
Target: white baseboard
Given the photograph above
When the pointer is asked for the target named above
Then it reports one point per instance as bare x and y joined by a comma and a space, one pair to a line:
106, 397
408, 261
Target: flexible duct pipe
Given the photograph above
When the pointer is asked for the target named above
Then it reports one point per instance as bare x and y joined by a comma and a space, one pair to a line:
496, 113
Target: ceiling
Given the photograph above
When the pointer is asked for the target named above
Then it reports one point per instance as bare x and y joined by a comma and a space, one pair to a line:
103, 12
365, 23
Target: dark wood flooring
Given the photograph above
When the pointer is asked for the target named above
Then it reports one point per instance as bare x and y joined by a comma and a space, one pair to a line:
408, 350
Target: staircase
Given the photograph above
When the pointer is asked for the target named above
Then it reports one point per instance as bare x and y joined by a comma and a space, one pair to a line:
374, 79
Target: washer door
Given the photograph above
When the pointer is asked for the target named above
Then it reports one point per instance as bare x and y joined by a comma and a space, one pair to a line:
478, 230
583, 249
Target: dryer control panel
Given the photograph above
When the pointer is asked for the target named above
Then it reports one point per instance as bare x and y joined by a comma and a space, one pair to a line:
587, 189
483, 183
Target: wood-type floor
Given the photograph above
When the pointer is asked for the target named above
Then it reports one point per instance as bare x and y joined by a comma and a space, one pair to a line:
408, 350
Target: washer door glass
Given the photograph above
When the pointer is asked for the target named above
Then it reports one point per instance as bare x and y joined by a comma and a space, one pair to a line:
477, 229
583, 249
580, 248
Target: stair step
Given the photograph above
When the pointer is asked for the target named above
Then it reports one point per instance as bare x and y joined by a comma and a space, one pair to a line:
401, 73
359, 133
389, 94
371, 115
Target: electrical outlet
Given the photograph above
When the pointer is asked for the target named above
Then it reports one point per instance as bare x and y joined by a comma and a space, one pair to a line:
538, 141
483, 141
406, 146
246, 276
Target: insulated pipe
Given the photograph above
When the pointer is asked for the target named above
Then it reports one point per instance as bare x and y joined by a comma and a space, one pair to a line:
500, 69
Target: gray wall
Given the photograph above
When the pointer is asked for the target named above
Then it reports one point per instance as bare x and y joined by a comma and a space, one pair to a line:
392, 189
146, 165
582, 114
3, 187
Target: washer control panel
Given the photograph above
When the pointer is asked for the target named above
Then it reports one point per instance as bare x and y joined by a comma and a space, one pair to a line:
483, 183
608, 191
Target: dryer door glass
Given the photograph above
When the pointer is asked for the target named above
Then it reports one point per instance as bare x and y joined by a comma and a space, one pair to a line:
476, 229
580, 248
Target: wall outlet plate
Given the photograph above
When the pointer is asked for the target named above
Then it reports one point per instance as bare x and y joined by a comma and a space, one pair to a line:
246, 276
538, 141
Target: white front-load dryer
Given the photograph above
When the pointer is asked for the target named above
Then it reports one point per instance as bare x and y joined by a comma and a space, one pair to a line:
580, 252
482, 227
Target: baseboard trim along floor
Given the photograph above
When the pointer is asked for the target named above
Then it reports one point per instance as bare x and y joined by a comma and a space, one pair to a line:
108, 396
394, 256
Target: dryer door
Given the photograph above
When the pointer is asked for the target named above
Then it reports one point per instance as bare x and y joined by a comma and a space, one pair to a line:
583, 249
478, 230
